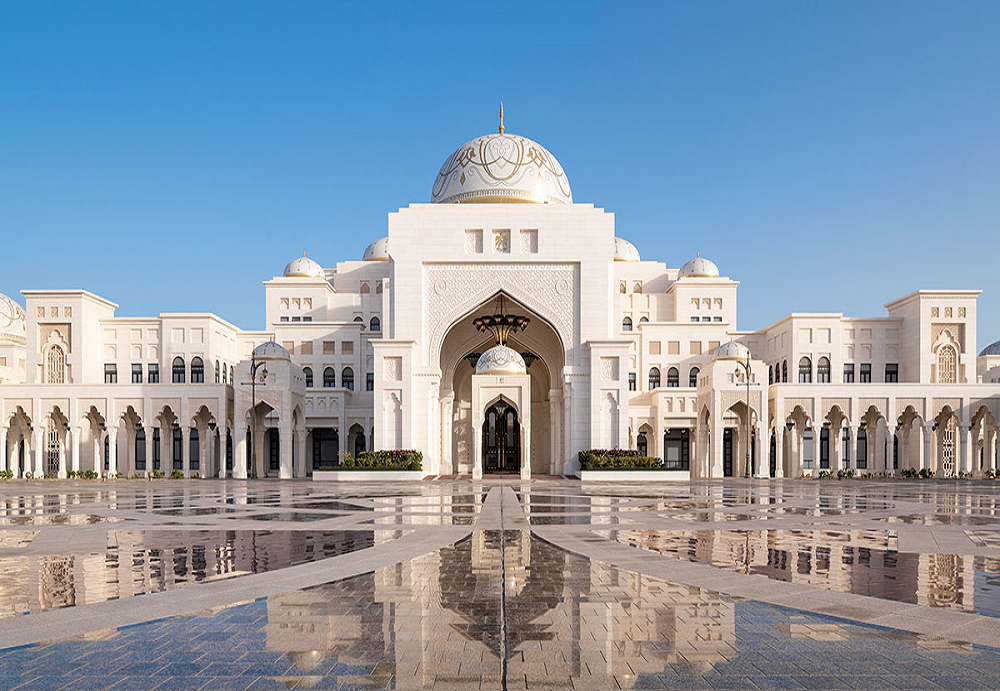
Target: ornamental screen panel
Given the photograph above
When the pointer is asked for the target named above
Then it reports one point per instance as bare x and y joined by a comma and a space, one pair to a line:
55, 364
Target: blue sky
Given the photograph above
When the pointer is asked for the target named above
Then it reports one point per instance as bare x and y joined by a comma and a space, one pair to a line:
830, 156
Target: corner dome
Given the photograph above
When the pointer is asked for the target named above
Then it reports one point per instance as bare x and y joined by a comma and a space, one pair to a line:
304, 267
501, 360
625, 251
13, 323
501, 168
991, 349
699, 267
271, 351
378, 251
731, 351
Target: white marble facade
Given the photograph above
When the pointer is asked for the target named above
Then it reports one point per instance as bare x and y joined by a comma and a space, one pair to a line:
382, 353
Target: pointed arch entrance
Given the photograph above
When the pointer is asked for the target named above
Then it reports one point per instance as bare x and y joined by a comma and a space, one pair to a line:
501, 439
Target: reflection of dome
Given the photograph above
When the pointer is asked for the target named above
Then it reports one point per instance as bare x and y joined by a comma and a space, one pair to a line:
501, 360
498, 168
378, 251
13, 325
271, 351
304, 267
991, 349
699, 267
732, 351
625, 251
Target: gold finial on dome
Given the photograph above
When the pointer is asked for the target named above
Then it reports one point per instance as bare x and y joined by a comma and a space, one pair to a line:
501, 117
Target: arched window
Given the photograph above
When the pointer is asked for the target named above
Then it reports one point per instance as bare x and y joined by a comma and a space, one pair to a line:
309, 376
770, 374
805, 371
232, 379
197, 371
641, 445
784, 371
217, 372
55, 365
823, 371
947, 370
347, 378
673, 378
627, 324
376, 324
643, 320
622, 288
177, 376
225, 372
361, 321
654, 378
693, 377
329, 378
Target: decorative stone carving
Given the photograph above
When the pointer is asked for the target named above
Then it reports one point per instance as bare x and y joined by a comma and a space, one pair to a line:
474, 241
957, 332
547, 289
609, 368
529, 241
394, 368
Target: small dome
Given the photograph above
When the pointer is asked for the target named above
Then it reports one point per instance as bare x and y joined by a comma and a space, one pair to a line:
13, 324
732, 351
991, 349
501, 360
699, 267
498, 168
378, 251
271, 351
304, 267
625, 251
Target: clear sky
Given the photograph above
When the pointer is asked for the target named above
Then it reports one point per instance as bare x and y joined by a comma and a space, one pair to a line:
830, 156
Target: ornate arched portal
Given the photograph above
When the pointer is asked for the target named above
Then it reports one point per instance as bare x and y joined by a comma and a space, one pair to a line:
543, 425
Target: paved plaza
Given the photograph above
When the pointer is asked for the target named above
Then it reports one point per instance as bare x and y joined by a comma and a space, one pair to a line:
500, 584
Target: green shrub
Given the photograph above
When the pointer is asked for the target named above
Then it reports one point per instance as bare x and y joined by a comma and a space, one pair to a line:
6, 474
50, 476
926, 473
400, 459
177, 475
908, 472
845, 472
157, 474
87, 474
964, 475
825, 474
617, 459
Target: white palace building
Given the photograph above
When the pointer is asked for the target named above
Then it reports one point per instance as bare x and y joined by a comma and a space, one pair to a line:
501, 328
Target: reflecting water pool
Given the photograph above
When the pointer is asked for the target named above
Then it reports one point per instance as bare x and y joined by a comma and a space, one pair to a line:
136, 562
503, 609
863, 562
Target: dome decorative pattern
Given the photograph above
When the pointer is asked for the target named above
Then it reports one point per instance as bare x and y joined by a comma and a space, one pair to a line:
13, 323
378, 251
304, 267
732, 351
501, 360
498, 168
991, 349
271, 351
699, 267
625, 251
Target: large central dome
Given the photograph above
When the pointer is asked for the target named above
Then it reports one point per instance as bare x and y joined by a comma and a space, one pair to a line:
499, 168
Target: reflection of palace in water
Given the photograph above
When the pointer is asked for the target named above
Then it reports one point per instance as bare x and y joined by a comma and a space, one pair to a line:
438, 618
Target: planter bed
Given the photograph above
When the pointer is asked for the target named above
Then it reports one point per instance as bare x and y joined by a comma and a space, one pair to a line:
366, 475
635, 475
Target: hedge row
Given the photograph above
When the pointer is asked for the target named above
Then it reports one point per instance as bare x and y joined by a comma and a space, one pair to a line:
402, 459
618, 459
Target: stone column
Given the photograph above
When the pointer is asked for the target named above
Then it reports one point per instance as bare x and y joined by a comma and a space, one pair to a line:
239, 449
852, 445
186, 450
525, 452
718, 449
149, 450
763, 452
567, 430
67, 438
40, 451
302, 451
3, 448
447, 466
75, 449
779, 451
816, 434
965, 446
285, 452
341, 438
112, 451
890, 445
836, 448
928, 429
795, 450
477, 452
221, 459
204, 452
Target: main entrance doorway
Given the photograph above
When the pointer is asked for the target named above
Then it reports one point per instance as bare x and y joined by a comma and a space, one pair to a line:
501, 439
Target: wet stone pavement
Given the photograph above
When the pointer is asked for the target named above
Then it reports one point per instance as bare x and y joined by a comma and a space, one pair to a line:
749, 585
